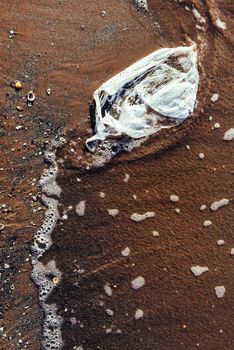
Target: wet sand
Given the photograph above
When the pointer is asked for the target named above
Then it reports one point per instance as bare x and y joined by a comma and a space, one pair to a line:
50, 50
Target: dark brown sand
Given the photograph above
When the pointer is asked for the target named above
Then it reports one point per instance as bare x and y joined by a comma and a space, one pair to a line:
180, 310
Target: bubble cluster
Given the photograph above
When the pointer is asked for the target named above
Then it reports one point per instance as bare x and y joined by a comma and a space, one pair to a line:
105, 151
141, 4
47, 276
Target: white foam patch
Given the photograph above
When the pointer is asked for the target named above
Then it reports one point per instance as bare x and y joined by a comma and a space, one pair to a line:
140, 217
80, 208
125, 251
220, 291
229, 135
155, 93
199, 270
138, 282
198, 16
46, 277
142, 4
218, 204
113, 212
138, 314
108, 290
220, 24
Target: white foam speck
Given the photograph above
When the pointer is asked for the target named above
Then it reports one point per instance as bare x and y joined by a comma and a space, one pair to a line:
138, 314
80, 208
140, 217
218, 204
108, 290
138, 282
201, 155
110, 312
198, 16
125, 251
220, 242
102, 195
207, 223
232, 251
155, 233
113, 212
214, 98
202, 207
229, 135
199, 270
142, 4
174, 198
220, 291
216, 126
220, 24
126, 178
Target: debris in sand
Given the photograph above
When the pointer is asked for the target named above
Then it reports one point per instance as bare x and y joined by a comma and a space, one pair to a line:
199, 270
216, 126
207, 223
138, 282
113, 212
214, 97
2, 227
138, 314
232, 251
31, 97
125, 251
229, 135
82, 27
80, 208
48, 91
220, 291
18, 85
108, 290
218, 204
174, 198
140, 217
102, 194
220, 242
160, 100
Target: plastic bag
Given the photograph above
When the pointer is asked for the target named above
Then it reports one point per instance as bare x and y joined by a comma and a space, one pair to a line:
159, 91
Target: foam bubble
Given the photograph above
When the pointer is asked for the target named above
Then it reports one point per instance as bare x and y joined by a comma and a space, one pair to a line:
46, 277
80, 208
142, 4
140, 217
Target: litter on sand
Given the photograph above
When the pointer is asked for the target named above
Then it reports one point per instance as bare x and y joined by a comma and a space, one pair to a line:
157, 92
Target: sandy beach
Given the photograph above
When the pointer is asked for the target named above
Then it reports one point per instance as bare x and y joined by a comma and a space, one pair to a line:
63, 51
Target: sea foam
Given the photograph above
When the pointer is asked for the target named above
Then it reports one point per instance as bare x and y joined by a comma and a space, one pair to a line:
47, 276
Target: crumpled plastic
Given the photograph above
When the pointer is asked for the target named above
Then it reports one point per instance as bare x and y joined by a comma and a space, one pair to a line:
157, 92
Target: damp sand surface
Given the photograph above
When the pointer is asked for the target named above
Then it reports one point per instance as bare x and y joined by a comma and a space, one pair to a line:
51, 50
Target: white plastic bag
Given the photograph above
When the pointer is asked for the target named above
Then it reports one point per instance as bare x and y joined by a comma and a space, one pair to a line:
157, 92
